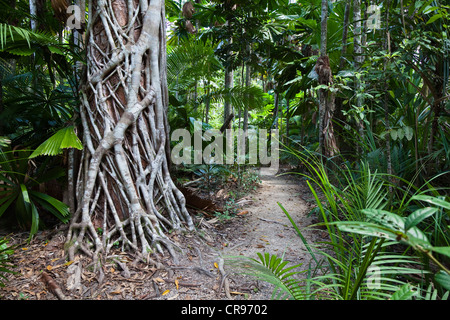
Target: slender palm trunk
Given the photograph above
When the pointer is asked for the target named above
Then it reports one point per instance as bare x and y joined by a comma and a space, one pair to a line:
228, 85
33, 12
387, 47
358, 49
323, 52
207, 102
345, 34
247, 84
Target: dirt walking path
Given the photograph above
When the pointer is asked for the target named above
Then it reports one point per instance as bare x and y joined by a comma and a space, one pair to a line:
263, 228
199, 274
267, 229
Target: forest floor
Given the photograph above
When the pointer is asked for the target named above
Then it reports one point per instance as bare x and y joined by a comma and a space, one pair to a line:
261, 226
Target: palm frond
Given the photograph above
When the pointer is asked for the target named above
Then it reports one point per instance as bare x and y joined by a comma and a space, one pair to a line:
273, 270
239, 96
11, 36
431, 293
190, 62
62, 139
6, 251
378, 278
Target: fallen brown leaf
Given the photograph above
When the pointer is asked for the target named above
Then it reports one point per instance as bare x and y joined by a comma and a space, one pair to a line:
117, 291
158, 279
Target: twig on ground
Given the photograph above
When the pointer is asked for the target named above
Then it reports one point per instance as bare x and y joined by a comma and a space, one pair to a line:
271, 221
184, 284
224, 281
53, 286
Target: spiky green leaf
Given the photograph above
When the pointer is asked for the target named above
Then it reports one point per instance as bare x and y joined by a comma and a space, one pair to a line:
443, 278
418, 216
433, 200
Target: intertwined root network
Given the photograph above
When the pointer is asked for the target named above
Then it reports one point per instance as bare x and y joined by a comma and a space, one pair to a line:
124, 193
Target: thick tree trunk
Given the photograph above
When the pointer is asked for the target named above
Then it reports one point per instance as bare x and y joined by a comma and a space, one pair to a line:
124, 190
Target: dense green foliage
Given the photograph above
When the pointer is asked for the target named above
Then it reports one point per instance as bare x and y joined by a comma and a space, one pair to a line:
372, 253
38, 99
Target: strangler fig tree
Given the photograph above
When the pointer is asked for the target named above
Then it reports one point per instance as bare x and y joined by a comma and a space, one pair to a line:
124, 192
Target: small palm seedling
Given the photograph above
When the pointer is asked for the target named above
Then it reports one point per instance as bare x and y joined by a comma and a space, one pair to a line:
274, 270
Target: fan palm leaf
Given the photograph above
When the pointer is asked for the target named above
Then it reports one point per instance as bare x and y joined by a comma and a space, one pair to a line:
239, 96
62, 139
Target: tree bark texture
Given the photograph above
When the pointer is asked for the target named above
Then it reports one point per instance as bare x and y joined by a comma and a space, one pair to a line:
359, 59
228, 108
387, 48
327, 140
124, 192
322, 93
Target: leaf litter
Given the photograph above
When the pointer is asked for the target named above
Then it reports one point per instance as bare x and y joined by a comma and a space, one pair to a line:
43, 273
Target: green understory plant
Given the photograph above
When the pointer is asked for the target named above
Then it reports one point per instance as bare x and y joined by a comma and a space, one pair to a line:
369, 220
357, 207
62, 139
388, 225
274, 270
5, 265
358, 267
19, 184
